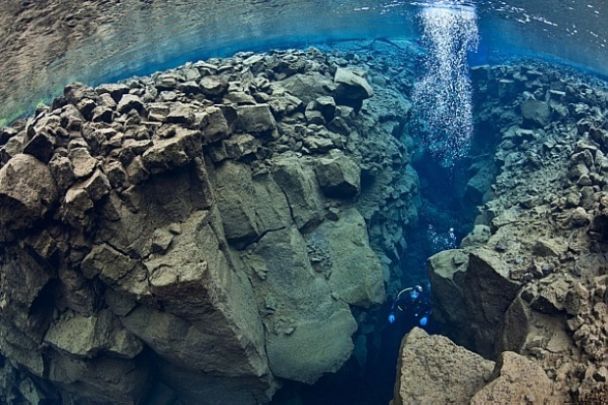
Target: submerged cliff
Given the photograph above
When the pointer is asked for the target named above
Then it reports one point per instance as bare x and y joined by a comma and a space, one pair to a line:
210, 233
201, 234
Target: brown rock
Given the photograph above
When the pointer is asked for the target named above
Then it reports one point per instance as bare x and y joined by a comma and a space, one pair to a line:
27, 192
174, 152
217, 124
83, 163
256, 120
433, 370
339, 176
516, 380
130, 102
41, 146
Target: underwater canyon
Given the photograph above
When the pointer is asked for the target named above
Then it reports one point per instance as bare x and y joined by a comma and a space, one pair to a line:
238, 229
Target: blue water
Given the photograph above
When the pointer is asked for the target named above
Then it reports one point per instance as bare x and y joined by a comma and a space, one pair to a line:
147, 38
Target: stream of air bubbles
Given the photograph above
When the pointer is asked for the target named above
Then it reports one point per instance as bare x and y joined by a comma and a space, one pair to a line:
442, 98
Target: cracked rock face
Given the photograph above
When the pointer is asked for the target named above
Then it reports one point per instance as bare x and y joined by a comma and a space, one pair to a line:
200, 234
531, 277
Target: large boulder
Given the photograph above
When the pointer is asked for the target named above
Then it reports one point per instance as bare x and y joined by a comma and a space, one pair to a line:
256, 120
107, 263
433, 370
83, 163
307, 87
196, 287
200, 388
315, 347
130, 102
446, 272
101, 380
339, 176
516, 379
535, 113
132, 222
351, 88
217, 123
176, 151
27, 192
488, 291
472, 292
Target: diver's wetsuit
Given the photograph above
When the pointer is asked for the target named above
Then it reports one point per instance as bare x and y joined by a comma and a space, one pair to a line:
411, 308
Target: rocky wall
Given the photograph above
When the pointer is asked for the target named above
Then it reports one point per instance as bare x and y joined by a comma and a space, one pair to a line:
200, 234
531, 277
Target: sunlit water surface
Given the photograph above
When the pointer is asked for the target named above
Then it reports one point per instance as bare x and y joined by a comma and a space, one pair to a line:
46, 46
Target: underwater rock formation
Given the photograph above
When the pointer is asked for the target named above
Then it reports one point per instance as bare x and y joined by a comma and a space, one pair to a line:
531, 277
432, 369
200, 234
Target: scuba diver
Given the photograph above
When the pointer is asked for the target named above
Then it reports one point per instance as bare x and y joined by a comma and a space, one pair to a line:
412, 307
452, 242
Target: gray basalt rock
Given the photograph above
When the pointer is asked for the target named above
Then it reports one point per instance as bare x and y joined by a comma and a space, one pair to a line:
85, 336
13, 147
249, 207
307, 87
193, 238
107, 263
351, 88
41, 147
27, 192
218, 123
213, 86
174, 152
83, 163
196, 287
130, 102
474, 289
98, 380
355, 274
180, 113
327, 106
339, 176
535, 113
76, 207
115, 90
446, 271
256, 120
241, 146
298, 184
303, 319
